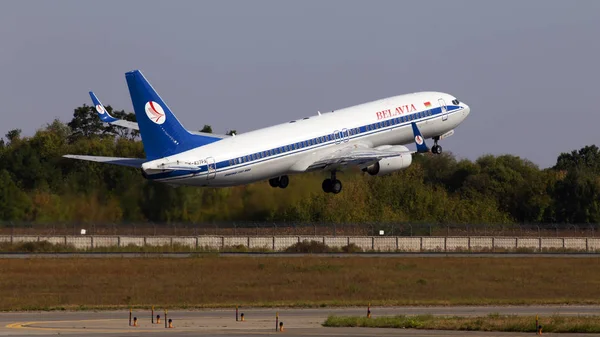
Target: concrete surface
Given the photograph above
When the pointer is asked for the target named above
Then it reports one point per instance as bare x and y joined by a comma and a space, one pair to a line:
275, 255
258, 322
367, 243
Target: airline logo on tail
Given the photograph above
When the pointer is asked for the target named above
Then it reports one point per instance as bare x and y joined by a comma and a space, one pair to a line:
155, 112
100, 109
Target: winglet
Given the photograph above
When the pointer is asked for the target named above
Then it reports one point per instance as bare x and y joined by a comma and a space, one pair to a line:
419, 140
101, 110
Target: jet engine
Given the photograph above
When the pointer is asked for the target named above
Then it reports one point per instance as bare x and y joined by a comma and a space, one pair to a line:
390, 164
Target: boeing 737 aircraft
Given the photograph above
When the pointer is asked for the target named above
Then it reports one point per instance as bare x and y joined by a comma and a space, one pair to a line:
370, 136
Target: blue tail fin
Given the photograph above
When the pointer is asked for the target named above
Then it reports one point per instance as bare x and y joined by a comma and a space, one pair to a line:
102, 113
419, 140
162, 134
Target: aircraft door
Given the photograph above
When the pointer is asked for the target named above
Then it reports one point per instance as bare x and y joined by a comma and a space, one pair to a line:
212, 168
337, 137
345, 134
444, 109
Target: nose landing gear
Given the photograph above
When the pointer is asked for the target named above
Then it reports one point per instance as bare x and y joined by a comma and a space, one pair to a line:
436, 149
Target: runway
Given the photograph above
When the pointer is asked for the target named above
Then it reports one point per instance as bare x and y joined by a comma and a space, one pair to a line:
258, 322
338, 255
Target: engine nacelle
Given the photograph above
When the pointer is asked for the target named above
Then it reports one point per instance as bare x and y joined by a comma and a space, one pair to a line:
389, 165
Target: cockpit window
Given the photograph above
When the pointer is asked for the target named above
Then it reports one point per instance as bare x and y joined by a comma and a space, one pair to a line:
455, 102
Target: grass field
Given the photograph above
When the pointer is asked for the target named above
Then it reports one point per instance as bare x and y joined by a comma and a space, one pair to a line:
494, 322
213, 281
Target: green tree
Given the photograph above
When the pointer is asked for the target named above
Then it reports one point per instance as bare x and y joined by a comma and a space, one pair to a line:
586, 158
85, 123
13, 135
207, 128
14, 203
577, 197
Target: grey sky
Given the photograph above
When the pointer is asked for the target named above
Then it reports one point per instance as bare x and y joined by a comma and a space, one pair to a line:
528, 69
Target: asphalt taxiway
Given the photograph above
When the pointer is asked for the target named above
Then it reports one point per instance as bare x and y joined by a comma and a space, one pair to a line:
257, 322
102, 255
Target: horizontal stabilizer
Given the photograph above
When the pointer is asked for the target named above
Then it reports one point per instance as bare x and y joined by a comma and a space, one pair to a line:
129, 162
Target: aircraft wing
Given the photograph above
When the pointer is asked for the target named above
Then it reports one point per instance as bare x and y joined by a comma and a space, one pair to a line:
125, 124
107, 118
129, 162
359, 154
356, 155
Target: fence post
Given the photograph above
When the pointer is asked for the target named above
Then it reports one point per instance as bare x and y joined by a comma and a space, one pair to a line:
587, 246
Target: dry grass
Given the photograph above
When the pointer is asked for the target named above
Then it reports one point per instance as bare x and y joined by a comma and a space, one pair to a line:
494, 322
213, 281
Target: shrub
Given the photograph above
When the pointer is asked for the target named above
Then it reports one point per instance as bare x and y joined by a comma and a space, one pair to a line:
351, 248
308, 247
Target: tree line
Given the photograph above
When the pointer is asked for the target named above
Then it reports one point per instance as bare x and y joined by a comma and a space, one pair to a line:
38, 185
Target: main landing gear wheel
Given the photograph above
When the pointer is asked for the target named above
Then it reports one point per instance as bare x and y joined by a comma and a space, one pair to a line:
281, 182
284, 181
332, 185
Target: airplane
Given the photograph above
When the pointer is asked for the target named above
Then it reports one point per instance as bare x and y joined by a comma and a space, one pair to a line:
370, 136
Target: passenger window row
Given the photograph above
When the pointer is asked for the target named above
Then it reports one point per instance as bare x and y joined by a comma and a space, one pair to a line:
336, 136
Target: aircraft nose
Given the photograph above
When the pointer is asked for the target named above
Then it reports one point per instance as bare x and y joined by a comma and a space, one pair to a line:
466, 109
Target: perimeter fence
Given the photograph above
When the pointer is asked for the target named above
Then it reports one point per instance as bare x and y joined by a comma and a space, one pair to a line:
287, 228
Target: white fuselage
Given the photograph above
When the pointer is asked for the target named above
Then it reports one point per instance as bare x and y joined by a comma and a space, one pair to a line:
285, 148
